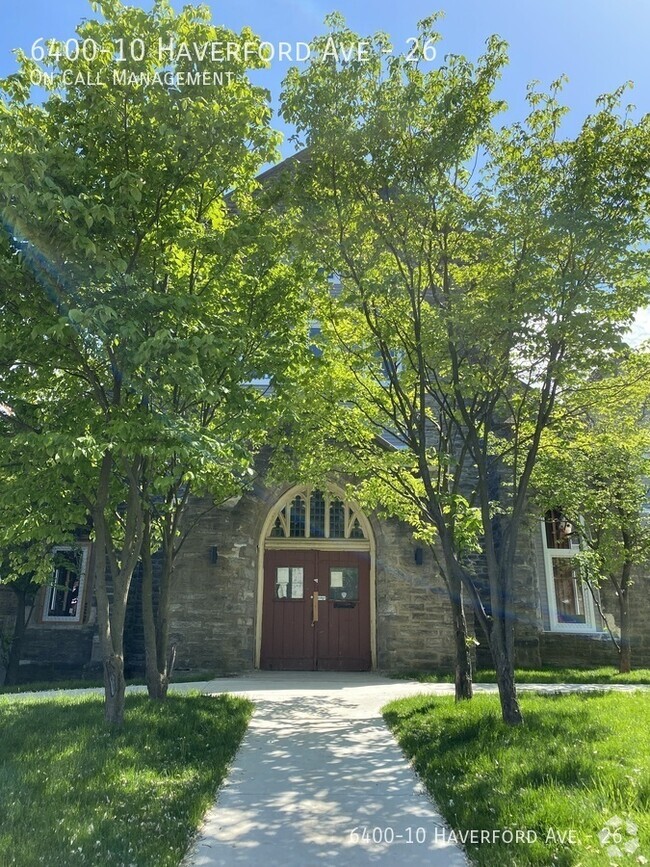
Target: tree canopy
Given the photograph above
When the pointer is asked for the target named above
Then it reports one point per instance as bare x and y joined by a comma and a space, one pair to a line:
483, 273
145, 281
594, 466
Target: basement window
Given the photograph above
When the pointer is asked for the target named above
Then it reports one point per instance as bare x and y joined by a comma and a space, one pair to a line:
64, 593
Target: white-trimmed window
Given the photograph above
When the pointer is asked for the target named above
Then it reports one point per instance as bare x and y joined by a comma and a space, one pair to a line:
570, 604
64, 593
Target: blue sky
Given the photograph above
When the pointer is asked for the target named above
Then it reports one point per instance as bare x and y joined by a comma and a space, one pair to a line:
598, 44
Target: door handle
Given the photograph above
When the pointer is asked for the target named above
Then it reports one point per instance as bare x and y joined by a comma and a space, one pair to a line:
314, 607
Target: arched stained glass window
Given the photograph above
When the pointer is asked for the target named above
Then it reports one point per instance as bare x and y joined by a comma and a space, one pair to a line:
337, 519
315, 514
297, 518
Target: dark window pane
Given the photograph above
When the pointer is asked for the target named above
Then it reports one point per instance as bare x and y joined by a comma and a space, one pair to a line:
277, 530
317, 515
64, 589
356, 532
558, 530
569, 593
344, 583
297, 518
337, 520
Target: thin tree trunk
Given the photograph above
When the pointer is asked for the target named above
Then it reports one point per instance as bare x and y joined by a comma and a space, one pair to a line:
111, 610
510, 710
625, 653
166, 655
454, 584
463, 679
160, 658
114, 689
497, 637
16, 647
502, 631
114, 685
155, 686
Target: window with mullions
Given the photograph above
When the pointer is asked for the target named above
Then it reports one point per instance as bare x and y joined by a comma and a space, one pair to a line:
297, 517
337, 519
570, 605
315, 514
559, 531
64, 594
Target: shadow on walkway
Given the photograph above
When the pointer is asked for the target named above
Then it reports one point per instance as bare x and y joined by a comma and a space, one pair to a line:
320, 780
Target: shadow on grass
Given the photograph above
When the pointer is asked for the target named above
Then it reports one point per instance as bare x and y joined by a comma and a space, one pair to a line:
75, 792
576, 761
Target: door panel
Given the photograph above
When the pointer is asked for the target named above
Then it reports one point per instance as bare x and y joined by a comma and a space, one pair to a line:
343, 640
330, 634
288, 638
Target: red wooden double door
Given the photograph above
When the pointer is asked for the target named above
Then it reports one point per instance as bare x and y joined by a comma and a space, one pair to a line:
316, 611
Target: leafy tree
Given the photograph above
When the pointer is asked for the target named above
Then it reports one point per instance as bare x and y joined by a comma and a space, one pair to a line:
210, 422
140, 293
482, 273
30, 524
594, 464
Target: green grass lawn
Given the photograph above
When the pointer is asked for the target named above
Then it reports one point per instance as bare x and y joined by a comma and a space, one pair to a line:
606, 674
73, 792
80, 683
578, 761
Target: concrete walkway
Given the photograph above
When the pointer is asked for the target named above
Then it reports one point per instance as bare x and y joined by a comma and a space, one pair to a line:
317, 767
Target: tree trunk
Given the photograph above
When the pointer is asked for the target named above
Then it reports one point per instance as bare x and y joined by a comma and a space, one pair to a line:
463, 679
111, 608
625, 654
113, 657
16, 647
500, 565
155, 686
114, 688
159, 660
510, 710
166, 655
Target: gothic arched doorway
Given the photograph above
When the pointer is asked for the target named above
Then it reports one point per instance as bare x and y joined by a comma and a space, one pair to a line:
316, 594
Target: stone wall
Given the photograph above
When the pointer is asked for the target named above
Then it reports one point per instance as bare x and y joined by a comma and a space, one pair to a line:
528, 585
566, 650
50, 650
640, 606
527, 602
213, 606
57, 651
414, 621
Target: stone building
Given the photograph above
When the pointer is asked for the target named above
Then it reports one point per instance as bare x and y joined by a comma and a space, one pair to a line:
286, 577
